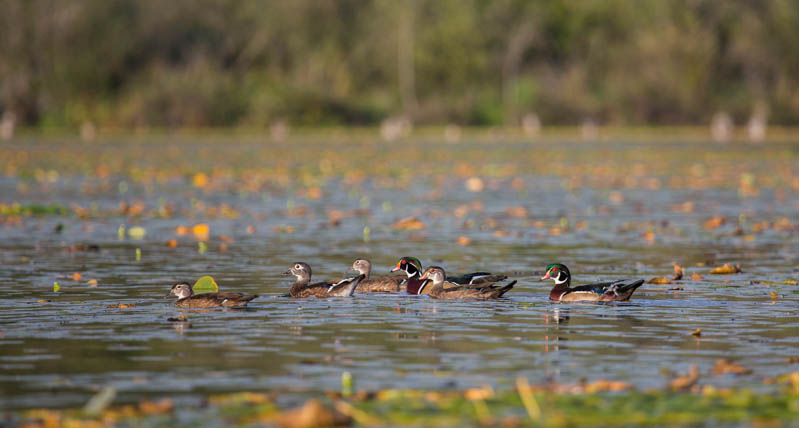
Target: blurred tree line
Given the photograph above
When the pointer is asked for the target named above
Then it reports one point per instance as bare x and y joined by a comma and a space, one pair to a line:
140, 63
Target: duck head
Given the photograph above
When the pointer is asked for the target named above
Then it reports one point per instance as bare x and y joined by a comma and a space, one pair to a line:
434, 274
301, 270
410, 265
181, 290
558, 273
362, 266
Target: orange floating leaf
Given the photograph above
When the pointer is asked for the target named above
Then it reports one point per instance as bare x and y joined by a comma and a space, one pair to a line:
696, 277
172, 243
121, 306
463, 240
714, 222
697, 332
408, 223
181, 230
76, 276
200, 180
678, 272
92, 283
687, 381
724, 367
201, 231
659, 280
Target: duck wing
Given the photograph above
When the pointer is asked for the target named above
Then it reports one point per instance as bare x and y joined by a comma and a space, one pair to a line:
381, 284
476, 278
618, 290
344, 287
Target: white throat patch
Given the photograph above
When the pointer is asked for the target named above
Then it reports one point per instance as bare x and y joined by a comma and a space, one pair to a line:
561, 278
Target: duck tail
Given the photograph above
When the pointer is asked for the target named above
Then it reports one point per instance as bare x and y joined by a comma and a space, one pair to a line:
500, 291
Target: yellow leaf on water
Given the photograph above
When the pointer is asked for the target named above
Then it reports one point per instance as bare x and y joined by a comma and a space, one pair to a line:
726, 269
205, 284
92, 283
659, 280
76, 276
56, 287
181, 230
463, 240
137, 232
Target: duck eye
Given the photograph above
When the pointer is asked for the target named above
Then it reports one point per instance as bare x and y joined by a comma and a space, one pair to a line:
403, 261
298, 267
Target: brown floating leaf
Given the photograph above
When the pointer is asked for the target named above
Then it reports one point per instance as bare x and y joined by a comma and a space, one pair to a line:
607, 385
676, 289
463, 240
726, 269
696, 277
164, 405
685, 382
92, 283
121, 306
697, 332
723, 367
76, 276
714, 222
312, 414
172, 243
793, 360
659, 280
44, 301
678, 272
408, 223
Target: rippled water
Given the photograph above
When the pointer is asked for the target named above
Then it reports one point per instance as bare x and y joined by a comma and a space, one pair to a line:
57, 349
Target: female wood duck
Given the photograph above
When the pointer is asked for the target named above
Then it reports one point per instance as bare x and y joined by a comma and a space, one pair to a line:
612, 291
187, 298
413, 269
378, 284
438, 290
303, 287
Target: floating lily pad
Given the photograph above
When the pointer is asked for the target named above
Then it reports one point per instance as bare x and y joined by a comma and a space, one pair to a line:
205, 284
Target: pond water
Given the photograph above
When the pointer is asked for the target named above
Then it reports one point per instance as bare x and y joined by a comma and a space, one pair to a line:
610, 209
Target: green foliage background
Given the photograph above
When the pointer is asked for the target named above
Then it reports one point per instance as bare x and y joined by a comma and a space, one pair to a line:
196, 63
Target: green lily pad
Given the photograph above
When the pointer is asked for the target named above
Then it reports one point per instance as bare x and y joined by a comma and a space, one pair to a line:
205, 284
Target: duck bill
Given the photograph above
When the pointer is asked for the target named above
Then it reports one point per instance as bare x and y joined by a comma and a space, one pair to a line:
168, 294
288, 272
396, 268
546, 277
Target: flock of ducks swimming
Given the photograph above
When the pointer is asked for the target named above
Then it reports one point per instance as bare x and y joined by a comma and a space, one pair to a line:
432, 281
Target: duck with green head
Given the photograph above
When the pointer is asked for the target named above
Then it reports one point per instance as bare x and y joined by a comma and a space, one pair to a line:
611, 291
415, 284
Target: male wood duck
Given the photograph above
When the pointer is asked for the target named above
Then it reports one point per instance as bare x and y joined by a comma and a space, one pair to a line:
438, 290
376, 284
187, 298
303, 287
413, 269
612, 291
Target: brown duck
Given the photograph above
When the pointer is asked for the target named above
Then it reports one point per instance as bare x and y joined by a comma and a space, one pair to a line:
439, 289
376, 284
187, 298
303, 287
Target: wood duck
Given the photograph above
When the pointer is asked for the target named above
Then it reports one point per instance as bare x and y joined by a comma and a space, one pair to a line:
438, 290
612, 291
187, 298
413, 269
303, 287
378, 284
